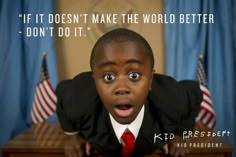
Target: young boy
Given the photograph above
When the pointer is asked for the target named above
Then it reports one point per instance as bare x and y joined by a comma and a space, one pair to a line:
122, 108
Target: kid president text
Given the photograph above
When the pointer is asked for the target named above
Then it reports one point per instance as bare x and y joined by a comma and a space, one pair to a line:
190, 134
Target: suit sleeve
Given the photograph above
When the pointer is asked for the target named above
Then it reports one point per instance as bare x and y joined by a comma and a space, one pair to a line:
78, 103
194, 98
176, 103
64, 99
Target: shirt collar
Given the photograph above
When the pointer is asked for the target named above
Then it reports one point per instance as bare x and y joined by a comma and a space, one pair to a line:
134, 127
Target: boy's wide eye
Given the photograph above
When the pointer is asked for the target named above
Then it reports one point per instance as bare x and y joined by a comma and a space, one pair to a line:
109, 77
134, 76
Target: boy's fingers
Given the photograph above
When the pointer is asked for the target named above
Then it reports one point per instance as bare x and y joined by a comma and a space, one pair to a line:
172, 149
67, 154
78, 151
87, 148
187, 151
165, 148
184, 152
178, 152
70, 152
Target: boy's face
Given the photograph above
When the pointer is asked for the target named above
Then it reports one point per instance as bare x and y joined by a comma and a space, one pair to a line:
123, 75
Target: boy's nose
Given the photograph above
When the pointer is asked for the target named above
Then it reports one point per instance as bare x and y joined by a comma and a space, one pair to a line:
122, 91
122, 87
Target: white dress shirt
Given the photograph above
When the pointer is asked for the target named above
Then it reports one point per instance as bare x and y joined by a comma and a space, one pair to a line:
133, 127
119, 129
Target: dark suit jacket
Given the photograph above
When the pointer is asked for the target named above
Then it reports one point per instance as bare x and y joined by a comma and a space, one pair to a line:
171, 107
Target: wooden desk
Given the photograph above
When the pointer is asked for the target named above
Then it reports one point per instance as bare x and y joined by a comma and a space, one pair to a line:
41, 140
47, 140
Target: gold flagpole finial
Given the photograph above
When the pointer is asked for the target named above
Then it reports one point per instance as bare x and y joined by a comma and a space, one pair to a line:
200, 56
44, 53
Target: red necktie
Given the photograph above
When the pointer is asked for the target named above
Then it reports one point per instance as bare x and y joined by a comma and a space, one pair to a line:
128, 143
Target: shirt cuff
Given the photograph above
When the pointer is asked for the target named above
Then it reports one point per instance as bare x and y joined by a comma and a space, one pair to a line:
71, 133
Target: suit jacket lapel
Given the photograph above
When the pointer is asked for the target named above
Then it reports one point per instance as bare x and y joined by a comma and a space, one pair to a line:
150, 127
104, 139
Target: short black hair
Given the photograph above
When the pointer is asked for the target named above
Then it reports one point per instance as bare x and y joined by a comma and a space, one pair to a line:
122, 35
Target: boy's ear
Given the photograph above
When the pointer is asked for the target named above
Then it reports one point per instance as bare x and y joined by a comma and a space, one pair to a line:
150, 88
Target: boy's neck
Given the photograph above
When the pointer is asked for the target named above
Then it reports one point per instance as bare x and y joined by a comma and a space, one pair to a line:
134, 126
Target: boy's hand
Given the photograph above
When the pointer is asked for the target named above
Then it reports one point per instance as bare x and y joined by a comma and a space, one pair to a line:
75, 146
172, 149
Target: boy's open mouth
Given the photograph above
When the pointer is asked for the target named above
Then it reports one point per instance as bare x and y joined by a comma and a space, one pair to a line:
124, 110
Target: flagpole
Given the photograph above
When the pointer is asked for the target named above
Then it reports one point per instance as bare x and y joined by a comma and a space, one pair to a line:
44, 103
206, 115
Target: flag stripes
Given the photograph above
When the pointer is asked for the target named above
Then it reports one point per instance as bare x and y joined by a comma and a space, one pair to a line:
207, 114
44, 104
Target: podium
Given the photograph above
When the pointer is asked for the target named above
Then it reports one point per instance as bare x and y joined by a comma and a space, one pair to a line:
48, 139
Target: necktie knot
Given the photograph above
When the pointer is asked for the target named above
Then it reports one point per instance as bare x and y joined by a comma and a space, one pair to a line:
128, 141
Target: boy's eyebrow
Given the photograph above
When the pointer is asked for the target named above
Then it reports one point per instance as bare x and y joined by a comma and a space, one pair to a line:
108, 63
134, 61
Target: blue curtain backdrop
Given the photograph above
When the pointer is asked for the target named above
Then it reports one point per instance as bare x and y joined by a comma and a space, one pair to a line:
184, 42
20, 63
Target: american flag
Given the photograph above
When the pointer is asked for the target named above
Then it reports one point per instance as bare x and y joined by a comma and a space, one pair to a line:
206, 115
44, 104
